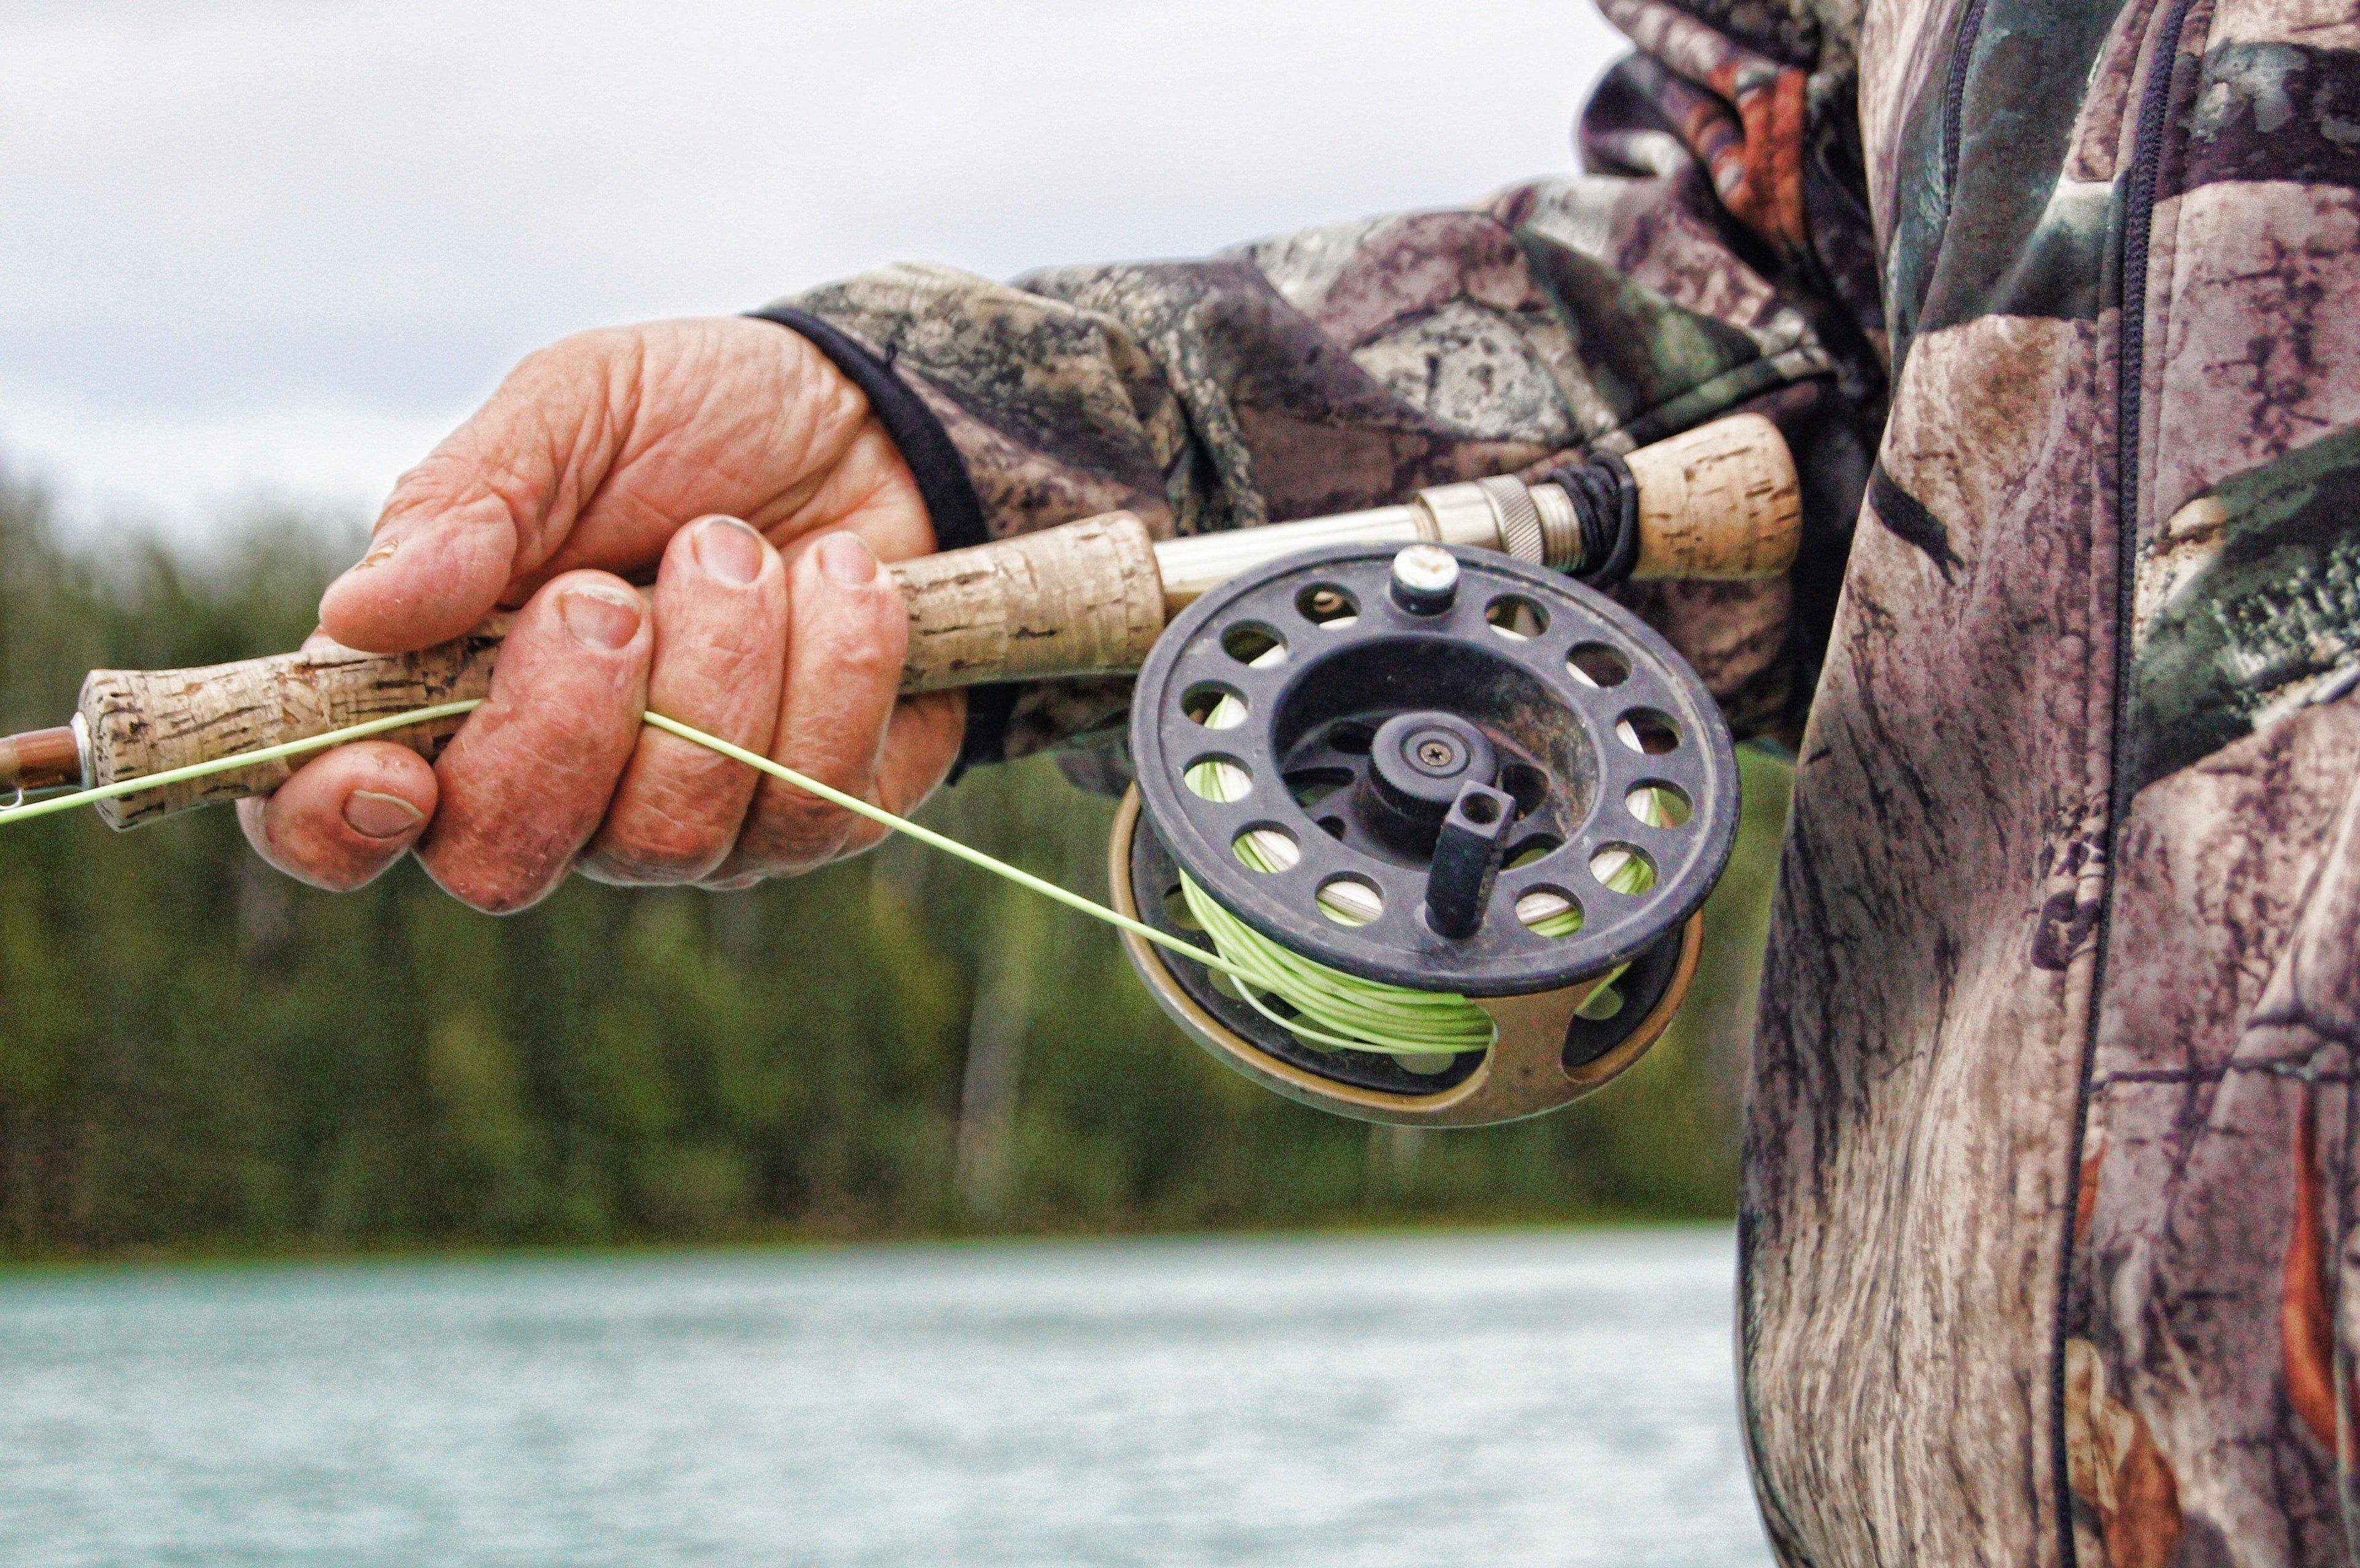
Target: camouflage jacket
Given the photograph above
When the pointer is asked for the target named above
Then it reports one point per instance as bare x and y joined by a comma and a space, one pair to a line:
2050, 1182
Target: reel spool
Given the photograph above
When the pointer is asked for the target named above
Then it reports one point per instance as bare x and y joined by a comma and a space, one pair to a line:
1442, 769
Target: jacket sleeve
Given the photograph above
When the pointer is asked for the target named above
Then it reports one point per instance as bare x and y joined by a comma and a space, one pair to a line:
1344, 366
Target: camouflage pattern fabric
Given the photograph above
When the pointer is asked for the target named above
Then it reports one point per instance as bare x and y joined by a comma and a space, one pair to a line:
2052, 1165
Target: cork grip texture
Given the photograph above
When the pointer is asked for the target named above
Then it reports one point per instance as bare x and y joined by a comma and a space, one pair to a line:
1718, 502
1083, 599
143, 722
1078, 600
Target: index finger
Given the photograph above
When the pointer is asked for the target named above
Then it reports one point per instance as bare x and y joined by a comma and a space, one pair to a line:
494, 500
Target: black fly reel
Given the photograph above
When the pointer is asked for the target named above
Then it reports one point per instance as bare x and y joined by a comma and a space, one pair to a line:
1440, 769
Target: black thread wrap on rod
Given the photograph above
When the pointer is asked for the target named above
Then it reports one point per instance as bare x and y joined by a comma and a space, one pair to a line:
1606, 514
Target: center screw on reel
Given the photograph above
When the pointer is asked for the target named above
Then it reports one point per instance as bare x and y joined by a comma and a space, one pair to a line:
1438, 770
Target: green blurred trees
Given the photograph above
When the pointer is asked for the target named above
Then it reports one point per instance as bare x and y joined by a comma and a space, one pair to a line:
196, 1053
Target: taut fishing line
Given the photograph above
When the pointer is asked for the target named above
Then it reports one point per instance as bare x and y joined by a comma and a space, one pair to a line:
1344, 1012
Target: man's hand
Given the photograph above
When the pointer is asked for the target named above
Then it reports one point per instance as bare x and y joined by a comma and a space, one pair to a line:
730, 458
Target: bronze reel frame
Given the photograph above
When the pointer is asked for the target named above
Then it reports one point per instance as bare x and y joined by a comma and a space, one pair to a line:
1523, 1073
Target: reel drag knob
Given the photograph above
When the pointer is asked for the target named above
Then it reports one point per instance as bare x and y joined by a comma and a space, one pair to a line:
1436, 769
1428, 792
1419, 764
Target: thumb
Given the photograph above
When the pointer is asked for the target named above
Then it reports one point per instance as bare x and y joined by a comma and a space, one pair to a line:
494, 500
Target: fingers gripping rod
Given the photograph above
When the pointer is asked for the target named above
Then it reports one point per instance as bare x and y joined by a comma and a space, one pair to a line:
1087, 598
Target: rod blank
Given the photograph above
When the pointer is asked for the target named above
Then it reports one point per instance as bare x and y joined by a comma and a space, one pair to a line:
41, 759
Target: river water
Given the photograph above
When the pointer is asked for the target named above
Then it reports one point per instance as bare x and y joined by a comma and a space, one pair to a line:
1556, 1398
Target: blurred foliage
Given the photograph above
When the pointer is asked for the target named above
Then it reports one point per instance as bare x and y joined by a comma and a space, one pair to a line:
197, 1053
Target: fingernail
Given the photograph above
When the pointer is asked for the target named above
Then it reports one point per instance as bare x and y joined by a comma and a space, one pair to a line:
728, 549
846, 558
601, 618
379, 554
373, 815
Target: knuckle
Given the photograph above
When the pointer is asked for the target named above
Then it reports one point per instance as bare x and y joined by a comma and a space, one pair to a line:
492, 888
341, 879
484, 492
571, 355
864, 836
600, 371
424, 485
498, 898
792, 830
877, 653
618, 868
328, 869
655, 850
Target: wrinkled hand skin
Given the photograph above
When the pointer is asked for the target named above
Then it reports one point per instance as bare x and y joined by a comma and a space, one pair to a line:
733, 465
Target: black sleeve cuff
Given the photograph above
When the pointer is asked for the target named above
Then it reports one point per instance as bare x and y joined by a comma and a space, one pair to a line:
943, 481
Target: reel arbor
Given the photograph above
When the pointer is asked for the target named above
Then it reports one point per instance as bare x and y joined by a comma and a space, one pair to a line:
1441, 770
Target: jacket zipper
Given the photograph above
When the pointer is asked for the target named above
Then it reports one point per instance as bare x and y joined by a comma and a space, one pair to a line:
2138, 236
1954, 100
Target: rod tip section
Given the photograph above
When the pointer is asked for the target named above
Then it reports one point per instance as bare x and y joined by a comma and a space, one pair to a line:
41, 759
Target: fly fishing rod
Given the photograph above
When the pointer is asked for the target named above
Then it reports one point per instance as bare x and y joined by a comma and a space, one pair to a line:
1422, 823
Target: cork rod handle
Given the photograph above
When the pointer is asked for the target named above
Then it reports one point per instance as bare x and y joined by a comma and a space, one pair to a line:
1078, 600
1721, 501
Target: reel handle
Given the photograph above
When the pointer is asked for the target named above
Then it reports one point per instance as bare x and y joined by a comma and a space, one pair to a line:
1087, 598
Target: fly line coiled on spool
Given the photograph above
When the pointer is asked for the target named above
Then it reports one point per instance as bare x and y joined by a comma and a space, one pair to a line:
1323, 1007
1327, 1007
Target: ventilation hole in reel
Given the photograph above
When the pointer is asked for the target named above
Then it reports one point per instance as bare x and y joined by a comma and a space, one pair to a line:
1326, 604
1527, 784
1254, 645
1176, 912
1660, 805
1219, 779
1351, 900
1524, 852
1601, 1004
1333, 827
1595, 664
1624, 868
1648, 731
1515, 617
1310, 786
1268, 848
1213, 706
1549, 911
1352, 737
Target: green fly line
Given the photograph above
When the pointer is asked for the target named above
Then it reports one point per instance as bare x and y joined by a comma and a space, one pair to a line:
926, 836
1323, 1006
1340, 1009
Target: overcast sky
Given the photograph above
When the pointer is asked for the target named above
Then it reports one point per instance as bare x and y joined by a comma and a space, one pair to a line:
276, 249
